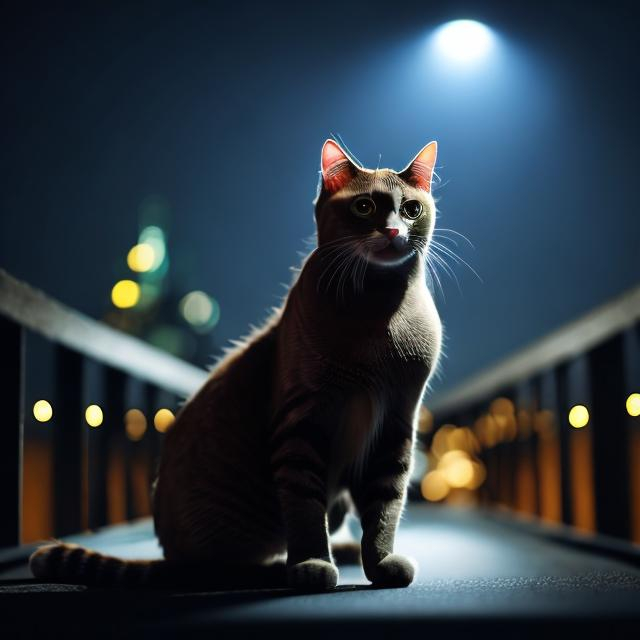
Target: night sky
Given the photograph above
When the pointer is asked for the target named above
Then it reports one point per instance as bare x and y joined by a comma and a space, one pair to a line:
219, 111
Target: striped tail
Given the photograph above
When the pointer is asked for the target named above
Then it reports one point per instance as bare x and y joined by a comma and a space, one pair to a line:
73, 564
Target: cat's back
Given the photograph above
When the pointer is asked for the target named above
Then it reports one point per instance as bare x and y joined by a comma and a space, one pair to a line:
213, 462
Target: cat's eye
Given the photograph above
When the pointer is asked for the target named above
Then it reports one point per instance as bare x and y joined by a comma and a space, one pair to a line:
363, 206
411, 209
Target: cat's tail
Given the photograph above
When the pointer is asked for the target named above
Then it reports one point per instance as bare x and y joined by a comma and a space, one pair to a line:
73, 564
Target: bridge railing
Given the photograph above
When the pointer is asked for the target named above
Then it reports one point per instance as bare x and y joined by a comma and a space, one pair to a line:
80, 453
553, 430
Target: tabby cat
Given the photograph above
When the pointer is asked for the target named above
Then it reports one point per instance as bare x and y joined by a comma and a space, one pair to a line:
312, 415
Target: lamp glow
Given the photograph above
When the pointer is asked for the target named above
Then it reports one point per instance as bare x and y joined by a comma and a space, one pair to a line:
93, 415
125, 294
135, 424
154, 237
163, 420
633, 404
42, 411
434, 486
141, 258
464, 40
579, 416
200, 310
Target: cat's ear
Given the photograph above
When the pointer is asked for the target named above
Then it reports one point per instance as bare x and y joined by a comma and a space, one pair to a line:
337, 169
419, 171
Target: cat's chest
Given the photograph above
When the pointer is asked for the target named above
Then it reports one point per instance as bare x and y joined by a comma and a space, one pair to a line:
355, 431
413, 334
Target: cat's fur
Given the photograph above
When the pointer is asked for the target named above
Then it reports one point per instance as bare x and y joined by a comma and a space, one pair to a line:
314, 412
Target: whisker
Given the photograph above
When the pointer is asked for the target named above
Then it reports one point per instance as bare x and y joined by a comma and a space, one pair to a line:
336, 258
435, 275
448, 270
338, 268
457, 233
437, 235
440, 247
344, 271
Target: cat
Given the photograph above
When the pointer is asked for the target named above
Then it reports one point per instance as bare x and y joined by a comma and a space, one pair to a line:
311, 416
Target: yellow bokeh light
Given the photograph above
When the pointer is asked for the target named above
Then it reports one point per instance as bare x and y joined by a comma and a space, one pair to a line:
125, 294
459, 473
434, 486
502, 406
93, 415
503, 412
141, 257
163, 420
464, 439
42, 411
135, 424
579, 416
487, 430
633, 404
478, 477
450, 457
440, 443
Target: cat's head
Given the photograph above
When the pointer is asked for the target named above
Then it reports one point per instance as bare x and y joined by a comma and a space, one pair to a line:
385, 216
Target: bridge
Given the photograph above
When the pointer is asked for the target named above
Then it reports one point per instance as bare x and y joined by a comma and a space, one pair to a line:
524, 513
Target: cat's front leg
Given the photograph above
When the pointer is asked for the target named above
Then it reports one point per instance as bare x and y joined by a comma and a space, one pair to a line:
379, 494
299, 465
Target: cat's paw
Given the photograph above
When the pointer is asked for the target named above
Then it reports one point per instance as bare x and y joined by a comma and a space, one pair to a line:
312, 575
392, 571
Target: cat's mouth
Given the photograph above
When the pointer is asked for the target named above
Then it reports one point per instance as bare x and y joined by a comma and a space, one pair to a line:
384, 250
387, 253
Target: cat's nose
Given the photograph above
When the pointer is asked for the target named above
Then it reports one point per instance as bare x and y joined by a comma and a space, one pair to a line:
391, 232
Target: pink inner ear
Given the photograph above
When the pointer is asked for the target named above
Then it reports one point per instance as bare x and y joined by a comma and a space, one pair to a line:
420, 171
337, 169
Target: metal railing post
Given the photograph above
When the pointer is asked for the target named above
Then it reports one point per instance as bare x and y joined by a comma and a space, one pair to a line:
99, 446
12, 381
610, 437
564, 434
153, 441
67, 443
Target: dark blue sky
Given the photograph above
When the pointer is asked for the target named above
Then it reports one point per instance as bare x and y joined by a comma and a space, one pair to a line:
222, 110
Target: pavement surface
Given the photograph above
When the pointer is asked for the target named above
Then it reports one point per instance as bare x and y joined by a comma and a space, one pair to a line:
478, 577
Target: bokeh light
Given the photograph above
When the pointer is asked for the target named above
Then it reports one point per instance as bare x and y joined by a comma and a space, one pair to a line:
453, 465
434, 486
125, 294
503, 413
141, 257
42, 411
135, 424
464, 41
200, 310
154, 237
633, 404
93, 415
440, 444
579, 416
163, 420
458, 472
